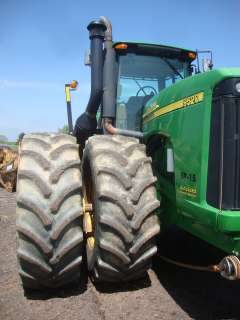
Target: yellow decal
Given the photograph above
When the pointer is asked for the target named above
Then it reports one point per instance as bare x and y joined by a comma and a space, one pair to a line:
189, 191
155, 110
68, 97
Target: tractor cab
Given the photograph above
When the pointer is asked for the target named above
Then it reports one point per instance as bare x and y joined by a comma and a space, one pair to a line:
143, 70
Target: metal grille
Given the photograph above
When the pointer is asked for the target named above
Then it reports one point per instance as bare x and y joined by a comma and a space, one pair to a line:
223, 190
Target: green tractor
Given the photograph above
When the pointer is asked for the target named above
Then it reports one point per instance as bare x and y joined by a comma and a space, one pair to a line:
152, 131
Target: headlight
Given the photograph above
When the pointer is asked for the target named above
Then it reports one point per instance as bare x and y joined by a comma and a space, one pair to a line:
237, 87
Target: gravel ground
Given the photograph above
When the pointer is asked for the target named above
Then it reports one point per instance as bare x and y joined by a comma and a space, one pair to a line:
166, 293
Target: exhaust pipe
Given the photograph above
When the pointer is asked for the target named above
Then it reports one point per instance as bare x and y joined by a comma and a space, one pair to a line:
86, 124
110, 87
110, 129
103, 85
109, 71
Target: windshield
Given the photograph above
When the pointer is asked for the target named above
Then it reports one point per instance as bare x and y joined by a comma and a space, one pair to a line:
139, 78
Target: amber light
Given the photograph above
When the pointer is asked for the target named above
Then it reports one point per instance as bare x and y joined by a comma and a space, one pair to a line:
74, 84
121, 46
192, 55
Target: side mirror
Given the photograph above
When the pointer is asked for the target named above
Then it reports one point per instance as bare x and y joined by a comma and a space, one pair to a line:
206, 64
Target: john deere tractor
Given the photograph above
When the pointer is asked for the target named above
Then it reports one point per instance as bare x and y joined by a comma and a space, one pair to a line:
158, 125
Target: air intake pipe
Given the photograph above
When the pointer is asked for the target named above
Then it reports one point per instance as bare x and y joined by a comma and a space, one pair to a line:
110, 86
103, 85
109, 72
86, 124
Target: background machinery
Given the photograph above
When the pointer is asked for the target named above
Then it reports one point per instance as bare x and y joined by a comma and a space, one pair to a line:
159, 125
8, 168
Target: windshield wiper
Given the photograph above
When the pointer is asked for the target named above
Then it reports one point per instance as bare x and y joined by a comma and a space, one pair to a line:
173, 68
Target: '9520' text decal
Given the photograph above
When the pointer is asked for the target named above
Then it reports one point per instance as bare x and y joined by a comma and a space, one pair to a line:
156, 111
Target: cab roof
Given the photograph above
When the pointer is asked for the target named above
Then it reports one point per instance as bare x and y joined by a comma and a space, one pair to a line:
157, 49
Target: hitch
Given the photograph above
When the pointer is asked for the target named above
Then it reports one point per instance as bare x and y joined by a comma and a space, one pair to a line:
229, 267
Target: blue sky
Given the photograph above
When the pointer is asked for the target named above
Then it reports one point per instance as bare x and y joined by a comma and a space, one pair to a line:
42, 45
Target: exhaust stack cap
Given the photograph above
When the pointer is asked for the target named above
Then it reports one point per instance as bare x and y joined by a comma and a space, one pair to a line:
96, 29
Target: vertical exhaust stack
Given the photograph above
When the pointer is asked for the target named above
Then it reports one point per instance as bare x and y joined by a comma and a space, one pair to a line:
110, 87
103, 85
86, 124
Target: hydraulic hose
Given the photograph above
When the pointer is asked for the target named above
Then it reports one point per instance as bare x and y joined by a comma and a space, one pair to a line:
211, 268
229, 267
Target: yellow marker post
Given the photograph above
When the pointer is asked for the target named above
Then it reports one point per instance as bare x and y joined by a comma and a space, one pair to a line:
68, 96
68, 87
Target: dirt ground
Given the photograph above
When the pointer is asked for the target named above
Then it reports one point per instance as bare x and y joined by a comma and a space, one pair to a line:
166, 293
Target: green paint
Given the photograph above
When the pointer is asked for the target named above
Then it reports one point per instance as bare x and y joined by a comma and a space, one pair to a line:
187, 132
179, 118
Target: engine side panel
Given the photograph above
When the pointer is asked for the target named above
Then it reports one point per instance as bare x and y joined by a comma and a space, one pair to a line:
182, 115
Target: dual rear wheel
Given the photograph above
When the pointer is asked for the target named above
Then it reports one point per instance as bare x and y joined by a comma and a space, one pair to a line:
106, 203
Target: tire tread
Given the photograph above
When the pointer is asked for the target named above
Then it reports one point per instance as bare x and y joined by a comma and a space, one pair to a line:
124, 184
51, 213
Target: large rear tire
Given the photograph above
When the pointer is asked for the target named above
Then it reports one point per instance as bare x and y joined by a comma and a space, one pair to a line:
121, 226
49, 211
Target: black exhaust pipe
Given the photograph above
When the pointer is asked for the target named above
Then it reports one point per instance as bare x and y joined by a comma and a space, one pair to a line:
109, 72
110, 87
86, 124
103, 85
